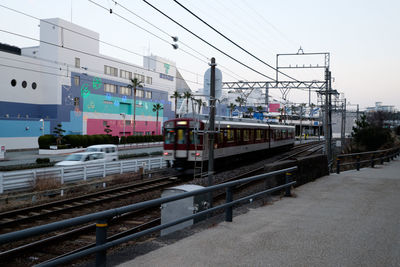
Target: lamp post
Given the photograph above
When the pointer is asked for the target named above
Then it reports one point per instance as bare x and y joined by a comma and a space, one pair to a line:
42, 126
123, 116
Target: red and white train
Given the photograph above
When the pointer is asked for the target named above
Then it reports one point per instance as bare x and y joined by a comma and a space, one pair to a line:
186, 139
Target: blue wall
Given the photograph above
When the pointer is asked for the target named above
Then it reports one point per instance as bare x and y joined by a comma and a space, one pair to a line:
23, 128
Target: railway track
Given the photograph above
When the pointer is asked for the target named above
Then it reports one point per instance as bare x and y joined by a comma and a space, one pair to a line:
31, 252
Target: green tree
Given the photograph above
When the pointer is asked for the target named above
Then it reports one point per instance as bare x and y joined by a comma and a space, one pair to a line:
200, 103
259, 109
231, 108
187, 95
371, 137
59, 132
240, 101
176, 95
156, 108
135, 83
250, 111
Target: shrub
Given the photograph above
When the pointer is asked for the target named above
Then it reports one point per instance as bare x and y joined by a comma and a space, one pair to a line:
46, 140
115, 140
123, 140
42, 160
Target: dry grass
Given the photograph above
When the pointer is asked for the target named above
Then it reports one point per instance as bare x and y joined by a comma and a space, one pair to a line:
43, 183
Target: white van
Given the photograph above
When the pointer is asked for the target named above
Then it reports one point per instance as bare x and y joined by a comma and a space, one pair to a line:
111, 151
82, 158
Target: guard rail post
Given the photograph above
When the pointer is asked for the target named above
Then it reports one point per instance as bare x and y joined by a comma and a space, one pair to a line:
288, 179
358, 163
372, 160
228, 210
338, 165
1, 183
101, 237
387, 157
381, 159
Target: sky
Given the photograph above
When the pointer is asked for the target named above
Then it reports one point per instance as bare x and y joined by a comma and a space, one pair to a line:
362, 38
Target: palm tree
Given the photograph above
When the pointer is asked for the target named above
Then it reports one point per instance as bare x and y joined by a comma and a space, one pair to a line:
231, 108
250, 110
240, 101
176, 95
188, 95
199, 103
156, 108
135, 83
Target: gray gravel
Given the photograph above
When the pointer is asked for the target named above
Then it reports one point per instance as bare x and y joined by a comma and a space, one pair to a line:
351, 219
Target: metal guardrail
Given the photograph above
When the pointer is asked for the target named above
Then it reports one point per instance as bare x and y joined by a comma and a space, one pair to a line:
103, 217
378, 155
25, 179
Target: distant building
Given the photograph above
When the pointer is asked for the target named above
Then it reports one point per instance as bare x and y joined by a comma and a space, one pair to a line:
66, 80
380, 107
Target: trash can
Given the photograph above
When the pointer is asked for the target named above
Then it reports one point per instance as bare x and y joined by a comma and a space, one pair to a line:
177, 209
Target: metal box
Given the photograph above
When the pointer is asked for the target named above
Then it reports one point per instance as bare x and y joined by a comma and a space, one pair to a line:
177, 209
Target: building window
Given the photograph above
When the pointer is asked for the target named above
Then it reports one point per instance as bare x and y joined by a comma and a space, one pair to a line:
111, 88
127, 122
76, 101
24, 84
76, 80
139, 77
139, 93
77, 62
13, 82
125, 74
110, 71
124, 90
34, 85
147, 94
104, 123
149, 80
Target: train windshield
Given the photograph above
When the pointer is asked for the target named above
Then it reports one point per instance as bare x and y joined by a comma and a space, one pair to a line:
180, 136
169, 136
194, 138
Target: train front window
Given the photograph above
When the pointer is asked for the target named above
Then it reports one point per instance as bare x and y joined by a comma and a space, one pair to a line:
194, 138
169, 136
180, 136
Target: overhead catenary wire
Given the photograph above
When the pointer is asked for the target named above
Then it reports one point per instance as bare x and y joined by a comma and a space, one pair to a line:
169, 35
227, 38
87, 53
96, 39
208, 43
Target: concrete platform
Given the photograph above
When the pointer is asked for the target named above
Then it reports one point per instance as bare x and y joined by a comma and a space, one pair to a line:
351, 219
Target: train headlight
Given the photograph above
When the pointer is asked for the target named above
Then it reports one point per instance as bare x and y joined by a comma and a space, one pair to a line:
197, 154
166, 153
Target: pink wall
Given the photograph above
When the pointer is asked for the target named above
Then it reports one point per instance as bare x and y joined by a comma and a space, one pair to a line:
95, 126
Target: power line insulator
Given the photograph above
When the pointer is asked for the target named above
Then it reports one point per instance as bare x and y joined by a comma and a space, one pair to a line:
175, 46
175, 38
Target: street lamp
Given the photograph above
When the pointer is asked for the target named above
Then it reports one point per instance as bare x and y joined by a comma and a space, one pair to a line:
42, 126
123, 116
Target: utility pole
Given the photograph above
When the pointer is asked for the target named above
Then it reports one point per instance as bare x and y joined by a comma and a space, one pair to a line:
327, 116
343, 126
211, 130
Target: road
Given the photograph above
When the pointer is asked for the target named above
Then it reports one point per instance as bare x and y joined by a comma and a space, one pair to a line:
30, 156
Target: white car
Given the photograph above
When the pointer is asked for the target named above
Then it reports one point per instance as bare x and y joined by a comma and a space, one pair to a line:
83, 158
110, 150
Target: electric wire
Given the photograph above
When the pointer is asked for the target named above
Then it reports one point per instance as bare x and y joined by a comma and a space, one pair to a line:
208, 43
93, 38
169, 35
240, 47
87, 53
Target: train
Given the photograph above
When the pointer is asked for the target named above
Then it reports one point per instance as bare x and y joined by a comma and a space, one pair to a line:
186, 139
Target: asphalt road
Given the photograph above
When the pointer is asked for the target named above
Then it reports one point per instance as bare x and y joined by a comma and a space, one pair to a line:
30, 156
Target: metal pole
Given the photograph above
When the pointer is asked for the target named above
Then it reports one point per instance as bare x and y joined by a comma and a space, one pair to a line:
101, 236
330, 117
326, 122
211, 130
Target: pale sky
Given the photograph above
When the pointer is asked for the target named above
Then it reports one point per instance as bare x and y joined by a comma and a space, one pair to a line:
362, 37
